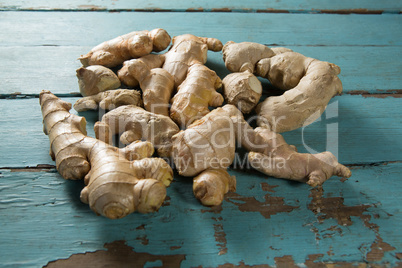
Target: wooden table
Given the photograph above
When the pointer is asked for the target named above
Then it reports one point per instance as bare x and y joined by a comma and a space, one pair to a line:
268, 221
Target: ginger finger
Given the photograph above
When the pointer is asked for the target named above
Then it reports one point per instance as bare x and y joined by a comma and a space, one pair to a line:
132, 45
242, 88
109, 100
134, 123
195, 94
95, 79
156, 85
211, 185
283, 161
185, 51
310, 85
151, 61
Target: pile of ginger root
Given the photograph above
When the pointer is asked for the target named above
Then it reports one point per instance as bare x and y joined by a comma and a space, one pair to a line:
179, 120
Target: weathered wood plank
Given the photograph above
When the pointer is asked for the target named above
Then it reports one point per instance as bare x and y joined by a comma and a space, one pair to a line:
91, 28
267, 221
342, 6
369, 131
34, 68
29, 69
49, 60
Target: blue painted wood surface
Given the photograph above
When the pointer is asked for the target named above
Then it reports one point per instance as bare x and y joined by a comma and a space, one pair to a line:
39, 63
91, 28
43, 220
267, 221
292, 6
38, 52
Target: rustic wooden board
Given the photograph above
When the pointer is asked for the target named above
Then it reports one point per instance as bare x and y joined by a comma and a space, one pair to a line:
366, 131
49, 60
53, 67
91, 28
267, 221
292, 6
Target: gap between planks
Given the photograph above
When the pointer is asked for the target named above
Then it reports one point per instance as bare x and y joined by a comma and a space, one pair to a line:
360, 11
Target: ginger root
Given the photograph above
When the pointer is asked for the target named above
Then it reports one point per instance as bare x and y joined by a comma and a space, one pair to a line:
156, 85
117, 184
208, 142
132, 45
211, 185
185, 51
310, 85
242, 57
242, 88
109, 100
151, 61
195, 94
95, 79
281, 160
134, 123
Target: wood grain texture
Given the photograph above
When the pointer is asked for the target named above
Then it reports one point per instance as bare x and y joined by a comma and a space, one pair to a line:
58, 71
30, 69
293, 6
49, 60
92, 28
43, 220
366, 131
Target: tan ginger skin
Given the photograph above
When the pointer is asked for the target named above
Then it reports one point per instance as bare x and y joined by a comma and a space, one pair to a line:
195, 94
134, 123
156, 85
242, 88
117, 182
132, 45
206, 148
151, 61
242, 57
210, 143
310, 85
186, 50
283, 161
211, 185
95, 79
109, 100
